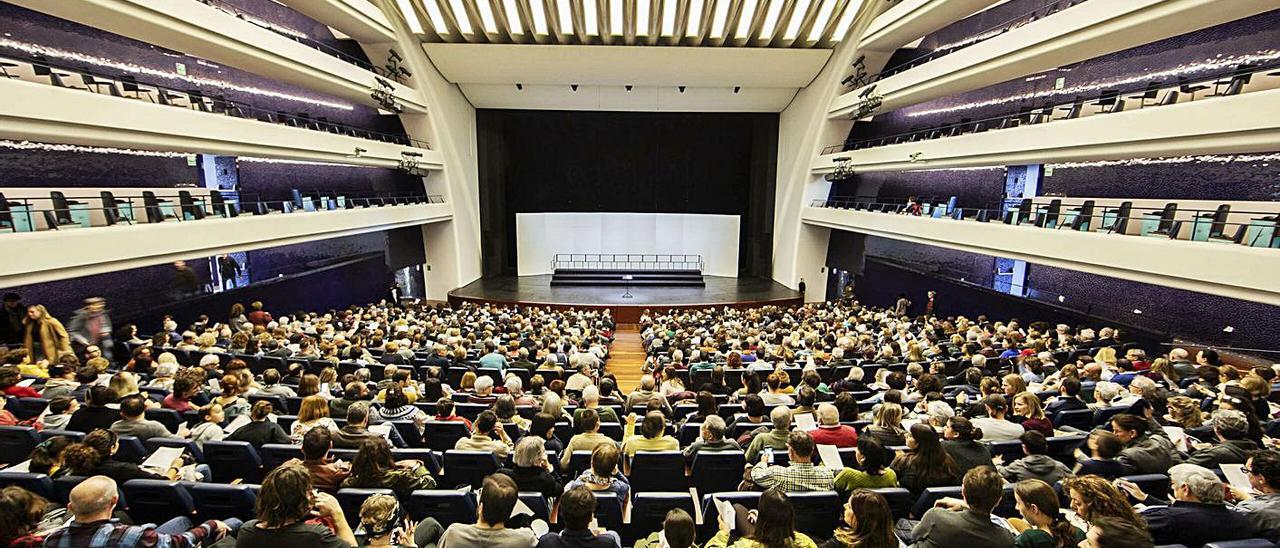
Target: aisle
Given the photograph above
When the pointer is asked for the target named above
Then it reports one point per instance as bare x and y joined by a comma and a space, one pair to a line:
626, 356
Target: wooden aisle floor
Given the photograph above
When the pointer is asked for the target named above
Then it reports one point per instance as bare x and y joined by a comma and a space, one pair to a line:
626, 357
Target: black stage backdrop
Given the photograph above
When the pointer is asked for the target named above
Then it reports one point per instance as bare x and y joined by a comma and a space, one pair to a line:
635, 162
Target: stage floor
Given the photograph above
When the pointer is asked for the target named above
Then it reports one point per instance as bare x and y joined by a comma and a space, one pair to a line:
538, 290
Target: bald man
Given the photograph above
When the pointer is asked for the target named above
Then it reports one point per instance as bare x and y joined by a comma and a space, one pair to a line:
92, 503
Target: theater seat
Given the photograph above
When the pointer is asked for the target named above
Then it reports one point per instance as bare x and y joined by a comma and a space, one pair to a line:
648, 509
468, 467
536, 502
219, 501
658, 471
578, 461
717, 471
188, 446
447, 506
157, 501
444, 435
1080, 419
1247, 543
16, 442
817, 512
131, 449
899, 500
231, 460
39, 484
275, 454
608, 510
350, 499
1152, 484
932, 495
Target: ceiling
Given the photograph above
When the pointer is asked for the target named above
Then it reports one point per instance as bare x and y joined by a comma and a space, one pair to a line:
796, 24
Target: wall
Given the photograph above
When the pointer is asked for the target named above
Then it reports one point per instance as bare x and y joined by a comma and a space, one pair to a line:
549, 161
713, 238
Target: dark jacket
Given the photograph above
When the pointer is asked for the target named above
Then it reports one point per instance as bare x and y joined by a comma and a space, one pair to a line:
968, 454
1109, 469
1147, 455
1193, 524
534, 479
88, 418
260, 433
1064, 403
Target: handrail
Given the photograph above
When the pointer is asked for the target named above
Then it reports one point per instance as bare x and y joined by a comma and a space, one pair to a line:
1268, 227
627, 261
213, 104
977, 38
1044, 113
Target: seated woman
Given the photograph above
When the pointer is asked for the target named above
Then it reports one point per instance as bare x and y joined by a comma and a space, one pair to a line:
505, 409
603, 474
533, 471
886, 425
873, 470
287, 503
21, 515
210, 427
260, 430
772, 524
652, 435
233, 405
868, 523
396, 407
1042, 524
384, 524
314, 413
1027, 406
375, 467
925, 463
46, 458
93, 457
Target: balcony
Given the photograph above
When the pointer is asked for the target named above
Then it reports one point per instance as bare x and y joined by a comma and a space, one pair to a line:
1142, 259
223, 37
1169, 125
181, 233
1084, 31
40, 112
911, 19
359, 19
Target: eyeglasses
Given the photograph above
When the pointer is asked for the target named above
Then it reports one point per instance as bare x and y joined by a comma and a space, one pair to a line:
1246, 470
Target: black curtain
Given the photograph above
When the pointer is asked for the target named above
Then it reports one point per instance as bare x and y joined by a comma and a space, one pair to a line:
560, 161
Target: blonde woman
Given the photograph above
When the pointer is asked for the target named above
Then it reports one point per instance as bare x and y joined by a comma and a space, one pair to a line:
313, 414
1027, 406
886, 425
1185, 412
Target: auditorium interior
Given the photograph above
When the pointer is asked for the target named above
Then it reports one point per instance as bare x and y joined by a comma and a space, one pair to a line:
651, 273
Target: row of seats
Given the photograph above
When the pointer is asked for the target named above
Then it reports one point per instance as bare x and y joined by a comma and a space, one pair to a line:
127, 86
1109, 101
1263, 230
24, 215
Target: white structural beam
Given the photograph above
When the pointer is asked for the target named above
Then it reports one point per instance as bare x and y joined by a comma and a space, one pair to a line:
39, 112
204, 31
909, 20
358, 19
1142, 259
1218, 125
1075, 34
86, 251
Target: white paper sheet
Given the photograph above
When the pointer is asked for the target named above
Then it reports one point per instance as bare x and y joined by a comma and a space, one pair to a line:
805, 422
1236, 476
24, 466
159, 461
831, 457
728, 515
26, 383
384, 429
238, 423
1179, 437
521, 509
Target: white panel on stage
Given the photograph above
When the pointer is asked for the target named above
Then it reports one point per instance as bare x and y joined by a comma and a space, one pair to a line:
540, 236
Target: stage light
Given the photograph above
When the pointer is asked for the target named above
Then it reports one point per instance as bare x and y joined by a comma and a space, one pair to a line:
1137, 311
858, 63
394, 55
1062, 299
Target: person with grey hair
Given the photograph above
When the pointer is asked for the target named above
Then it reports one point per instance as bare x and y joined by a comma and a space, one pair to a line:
1196, 516
93, 501
522, 360
591, 400
515, 387
775, 438
1233, 446
711, 438
532, 471
483, 391
642, 394
830, 431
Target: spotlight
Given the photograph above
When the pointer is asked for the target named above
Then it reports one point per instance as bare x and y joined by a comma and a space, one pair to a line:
573, 87
858, 62
1228, 329
358, 152
394, 55
1137, 311
681, 88
847, 80
519, 87
916, 157
383, 83
404, 72
736, 89
866, 92
628, 86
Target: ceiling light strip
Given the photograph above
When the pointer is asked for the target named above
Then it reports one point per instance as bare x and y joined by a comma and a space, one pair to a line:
825, 9
406, 10
799, 10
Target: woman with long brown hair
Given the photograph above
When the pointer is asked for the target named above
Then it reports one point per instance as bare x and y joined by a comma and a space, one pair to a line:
774, 525
868, 523
1045, 526
284, 506
314, 413
1094, 497
925, 464
45, 339
374, 467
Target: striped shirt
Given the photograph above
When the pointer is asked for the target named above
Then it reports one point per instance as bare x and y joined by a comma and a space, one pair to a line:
110, 533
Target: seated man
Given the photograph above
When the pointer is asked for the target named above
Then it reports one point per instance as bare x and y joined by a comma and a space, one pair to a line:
591, 400
830, 431
1103, 447
800, 474
444, 412
577, 509
1233, 445
1036, 464
92, 503
326, 474
498, 496
132, 423
966, 523
711, 439
483, 437
1196, 516
776, 438
588, 439
1068, 401
357, 430
483, 391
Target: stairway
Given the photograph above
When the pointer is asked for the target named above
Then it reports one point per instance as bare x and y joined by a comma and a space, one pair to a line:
639, 278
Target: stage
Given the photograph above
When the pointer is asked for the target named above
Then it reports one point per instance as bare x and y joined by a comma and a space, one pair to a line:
537, 290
